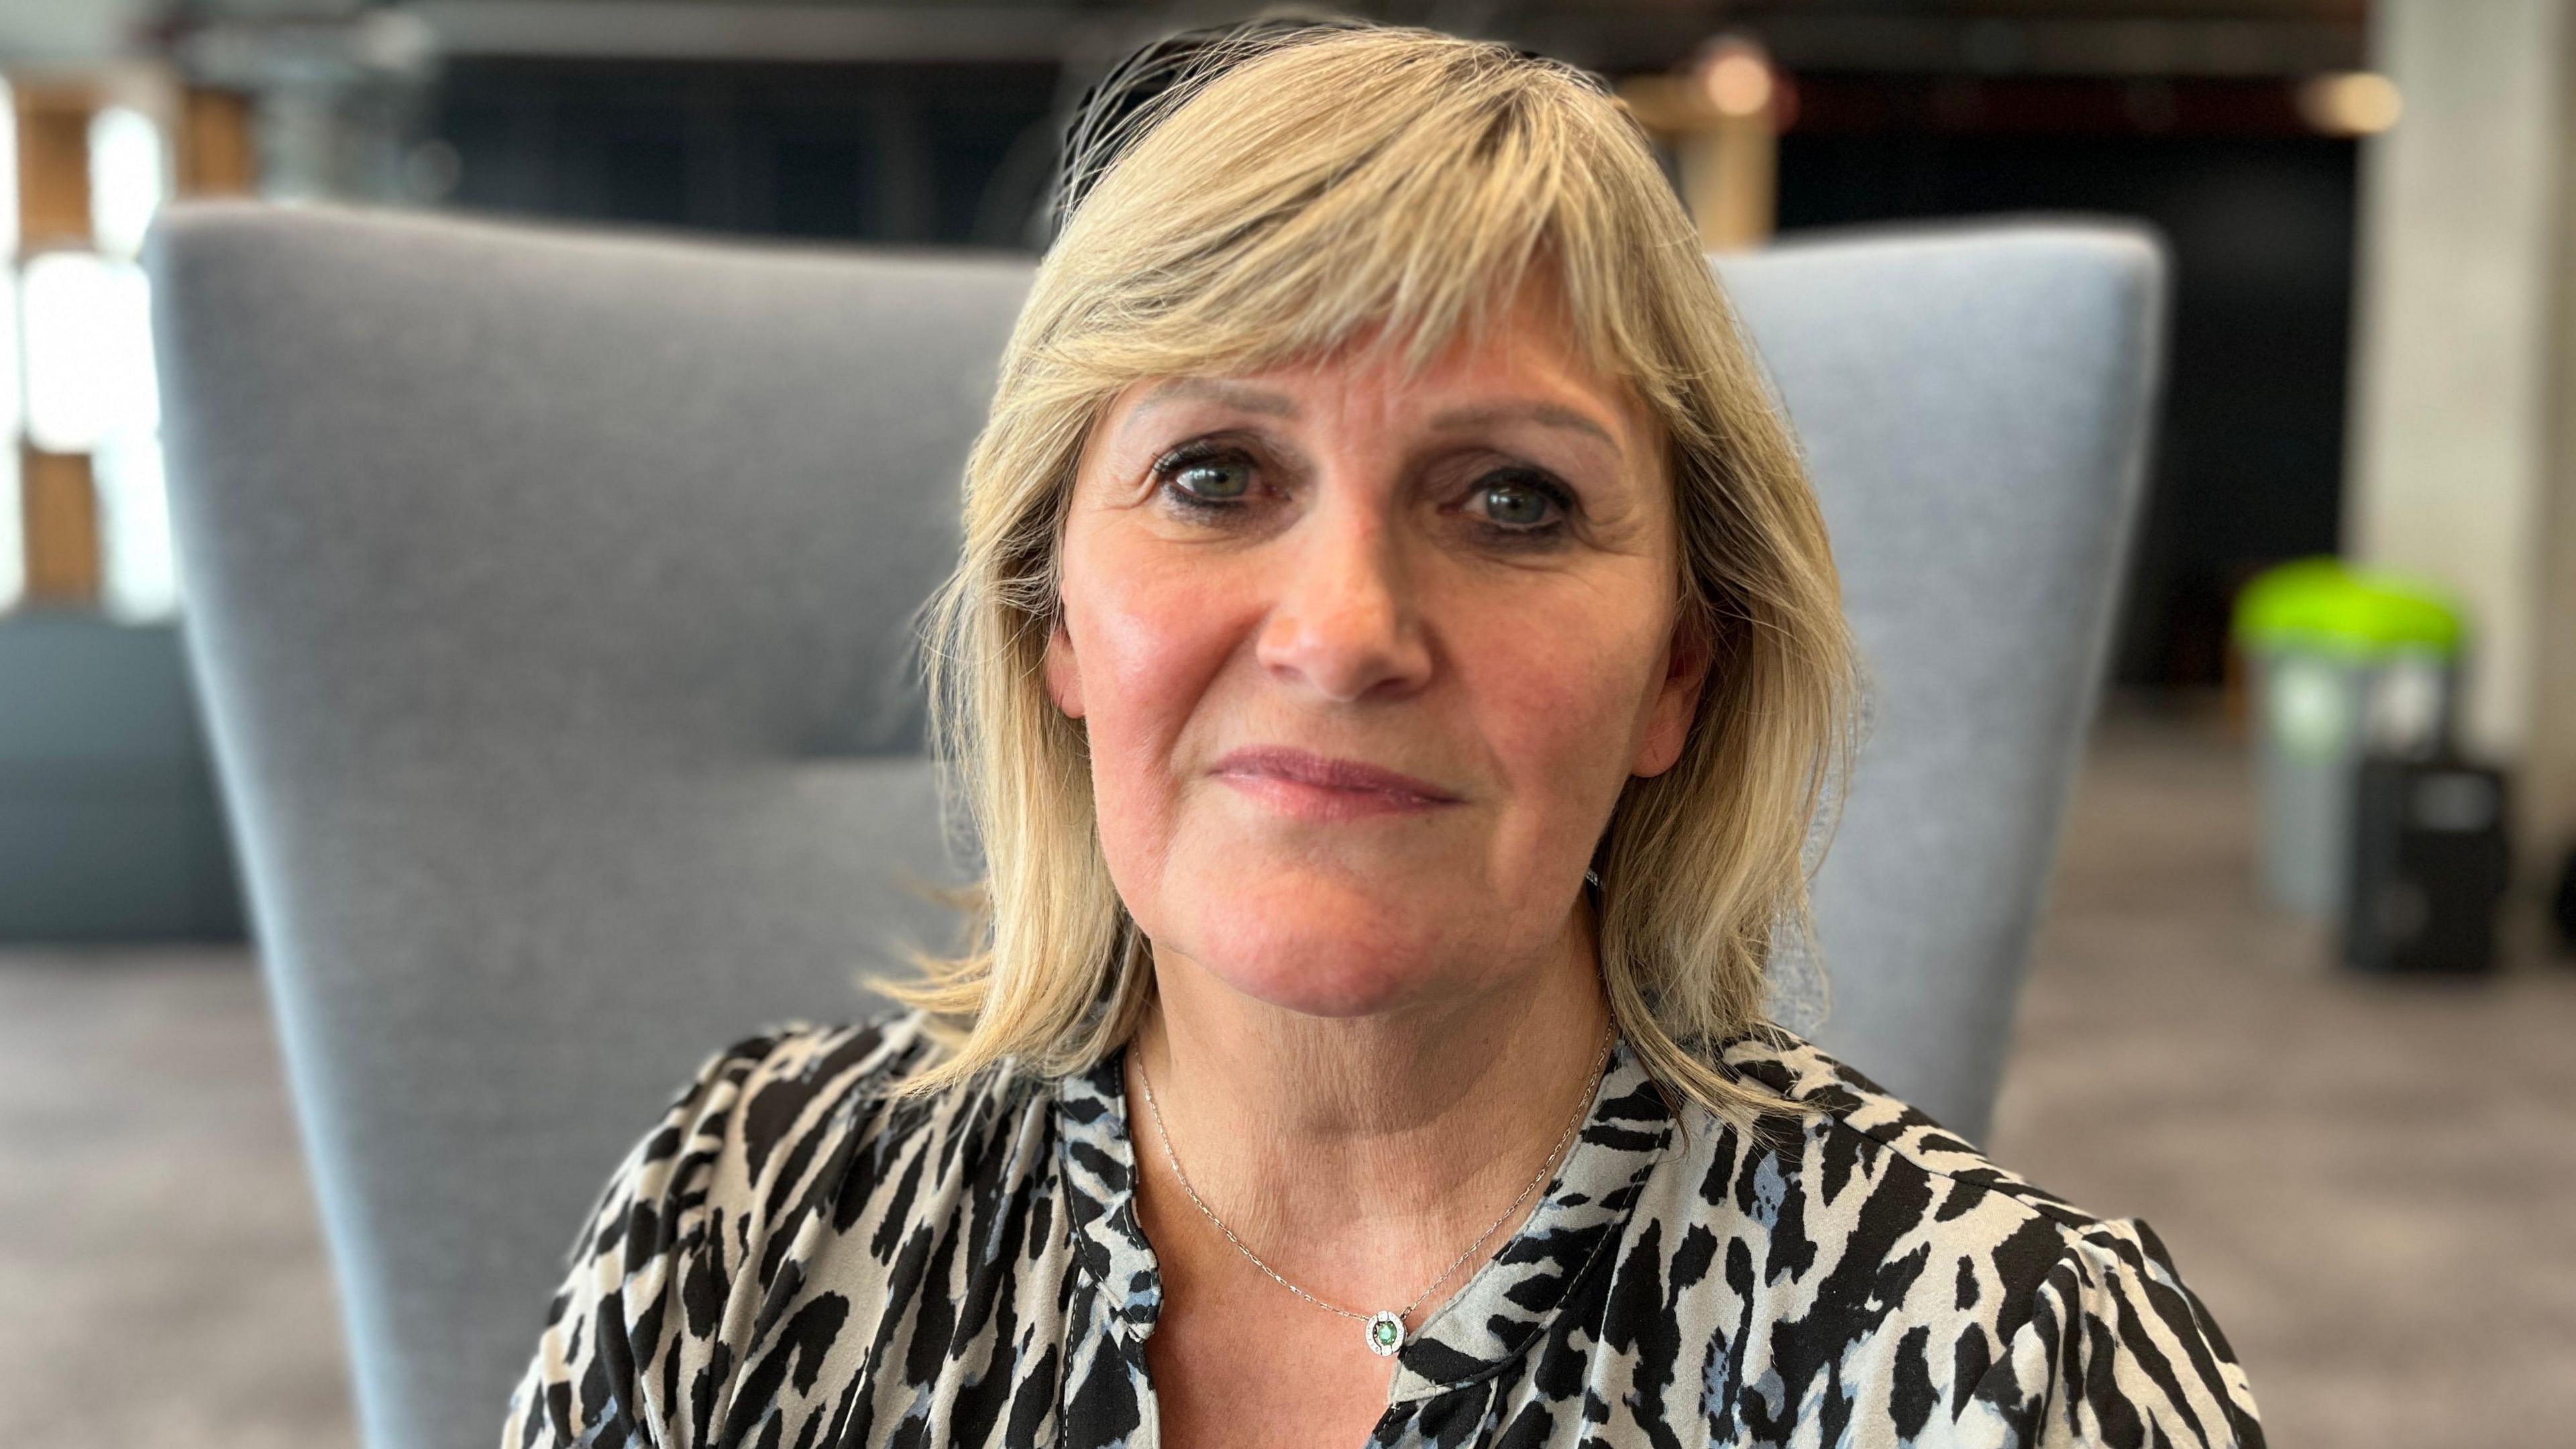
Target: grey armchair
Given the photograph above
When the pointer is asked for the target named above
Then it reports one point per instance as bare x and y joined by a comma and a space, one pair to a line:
546, 591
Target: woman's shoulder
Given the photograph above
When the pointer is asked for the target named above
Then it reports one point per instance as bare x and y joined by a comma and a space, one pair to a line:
1981, 1287
1846, 1116
801, 1114
781, 1143
782, 1091
1866, 1161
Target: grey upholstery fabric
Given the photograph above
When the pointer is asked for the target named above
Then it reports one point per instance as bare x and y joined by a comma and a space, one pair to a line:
1974, 405
548, 591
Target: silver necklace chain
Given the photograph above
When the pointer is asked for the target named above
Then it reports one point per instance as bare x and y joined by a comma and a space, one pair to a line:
1379, 1339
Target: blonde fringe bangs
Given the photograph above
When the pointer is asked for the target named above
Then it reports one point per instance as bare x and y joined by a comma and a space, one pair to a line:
1358, 190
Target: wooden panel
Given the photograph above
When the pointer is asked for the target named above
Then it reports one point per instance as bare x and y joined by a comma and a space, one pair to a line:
1729, 161
53, 162
216, 155
61, 507
1730, 181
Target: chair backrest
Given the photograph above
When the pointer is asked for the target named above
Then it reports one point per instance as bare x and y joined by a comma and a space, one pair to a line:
547, 592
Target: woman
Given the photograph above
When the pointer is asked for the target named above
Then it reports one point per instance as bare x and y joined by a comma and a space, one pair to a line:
1394, 661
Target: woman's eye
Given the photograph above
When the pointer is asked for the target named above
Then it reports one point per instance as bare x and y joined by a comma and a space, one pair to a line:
1518, 504
1205, 480
1224, 478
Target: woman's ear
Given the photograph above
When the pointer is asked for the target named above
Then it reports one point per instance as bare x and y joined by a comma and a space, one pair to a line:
1676, 704
1063, 670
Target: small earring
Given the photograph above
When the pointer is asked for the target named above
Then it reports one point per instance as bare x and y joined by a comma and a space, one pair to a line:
1592, 878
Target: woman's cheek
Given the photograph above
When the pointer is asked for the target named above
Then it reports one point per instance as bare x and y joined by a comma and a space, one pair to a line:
1160, 609
1155, 638
1542, 678
1561, 705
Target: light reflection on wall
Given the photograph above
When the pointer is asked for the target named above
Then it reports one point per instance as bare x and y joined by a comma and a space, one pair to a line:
141, 574
82, 375
130, 180
86, 321
129, 172
13, 533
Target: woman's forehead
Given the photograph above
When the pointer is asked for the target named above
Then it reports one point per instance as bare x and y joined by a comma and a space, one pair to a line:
1525, 365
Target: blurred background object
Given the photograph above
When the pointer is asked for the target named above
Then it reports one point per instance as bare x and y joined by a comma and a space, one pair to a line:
109, 828
2370, 211
2341, 663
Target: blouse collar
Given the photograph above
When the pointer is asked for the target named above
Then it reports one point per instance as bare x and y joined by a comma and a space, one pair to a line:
1488, 1322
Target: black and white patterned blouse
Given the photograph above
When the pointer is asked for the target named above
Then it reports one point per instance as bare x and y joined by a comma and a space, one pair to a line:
793, 1260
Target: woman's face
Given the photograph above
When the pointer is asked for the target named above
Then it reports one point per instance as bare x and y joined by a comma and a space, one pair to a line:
1277, 586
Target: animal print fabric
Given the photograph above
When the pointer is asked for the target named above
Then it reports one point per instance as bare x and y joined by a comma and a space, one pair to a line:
794, 1259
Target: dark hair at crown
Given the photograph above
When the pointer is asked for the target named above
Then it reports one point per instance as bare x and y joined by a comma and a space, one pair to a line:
1114, 109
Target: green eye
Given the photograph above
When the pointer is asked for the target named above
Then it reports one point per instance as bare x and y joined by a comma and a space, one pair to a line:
1214, 480
1515, 503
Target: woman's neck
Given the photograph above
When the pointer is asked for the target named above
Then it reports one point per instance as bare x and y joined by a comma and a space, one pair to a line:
1360, 1155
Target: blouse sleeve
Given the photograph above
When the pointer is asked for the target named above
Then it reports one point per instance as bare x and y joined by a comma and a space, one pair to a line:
603, 1373
2118, 1351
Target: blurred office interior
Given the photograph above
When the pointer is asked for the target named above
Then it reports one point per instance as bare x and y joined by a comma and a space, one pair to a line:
2370, 205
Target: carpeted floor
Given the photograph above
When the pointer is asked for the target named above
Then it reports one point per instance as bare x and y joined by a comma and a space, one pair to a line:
2373, 1185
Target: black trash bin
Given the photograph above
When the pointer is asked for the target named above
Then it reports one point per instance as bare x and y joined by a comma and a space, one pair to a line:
2430, 863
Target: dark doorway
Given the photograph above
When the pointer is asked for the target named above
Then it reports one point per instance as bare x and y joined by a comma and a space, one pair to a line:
2248, 456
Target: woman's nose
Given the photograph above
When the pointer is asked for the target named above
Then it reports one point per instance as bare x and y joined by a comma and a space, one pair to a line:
1344, 619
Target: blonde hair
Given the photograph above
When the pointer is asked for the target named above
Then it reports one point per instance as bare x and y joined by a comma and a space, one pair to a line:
1295, 193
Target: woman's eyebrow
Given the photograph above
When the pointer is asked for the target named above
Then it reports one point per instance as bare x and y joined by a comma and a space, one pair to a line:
1216, 389
1545, 414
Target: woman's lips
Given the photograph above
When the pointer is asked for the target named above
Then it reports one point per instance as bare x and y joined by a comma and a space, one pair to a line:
1319, 788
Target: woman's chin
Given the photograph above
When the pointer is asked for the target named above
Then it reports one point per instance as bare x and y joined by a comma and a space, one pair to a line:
1339, 975
1335, 947
1308, 991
